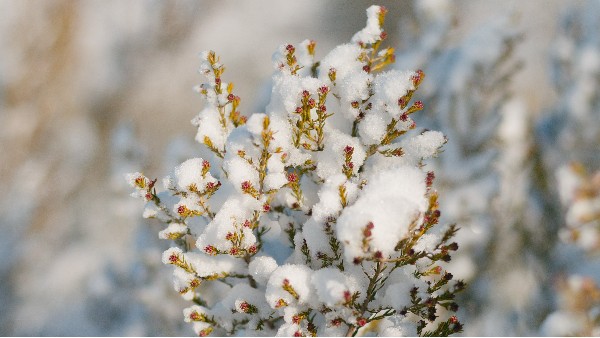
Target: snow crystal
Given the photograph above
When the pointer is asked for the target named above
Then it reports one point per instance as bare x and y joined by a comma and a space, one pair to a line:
260, 268
392, 200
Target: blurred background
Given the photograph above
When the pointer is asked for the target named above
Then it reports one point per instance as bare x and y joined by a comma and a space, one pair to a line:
90, 90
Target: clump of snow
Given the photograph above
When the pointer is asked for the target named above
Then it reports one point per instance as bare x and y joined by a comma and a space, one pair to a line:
372, 32
389, 87
210, 127
392, 201
260, 268
297, 277
343, 60
333, 286
331, 160
230, 219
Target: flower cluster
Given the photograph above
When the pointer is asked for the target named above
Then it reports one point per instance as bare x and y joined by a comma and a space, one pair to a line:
315, 217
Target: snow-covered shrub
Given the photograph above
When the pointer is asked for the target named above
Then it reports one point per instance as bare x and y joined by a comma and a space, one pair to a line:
577, 313
316, 217
580, 194
569, 137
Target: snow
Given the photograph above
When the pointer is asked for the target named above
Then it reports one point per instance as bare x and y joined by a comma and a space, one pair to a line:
331, 285
209, 126
373, 128
260, 268
298, 276
229, 219
392, 200
343, 59
372, 32
331, 160
389, 87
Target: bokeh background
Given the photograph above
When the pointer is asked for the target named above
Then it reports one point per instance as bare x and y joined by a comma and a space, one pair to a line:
92, 89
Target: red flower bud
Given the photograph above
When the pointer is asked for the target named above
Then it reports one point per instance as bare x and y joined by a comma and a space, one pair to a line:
292, 177
361, 322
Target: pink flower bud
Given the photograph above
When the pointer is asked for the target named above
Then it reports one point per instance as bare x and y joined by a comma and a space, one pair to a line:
361, 322
292, 177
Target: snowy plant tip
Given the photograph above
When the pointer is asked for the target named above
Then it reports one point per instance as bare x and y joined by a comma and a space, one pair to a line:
317, 216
